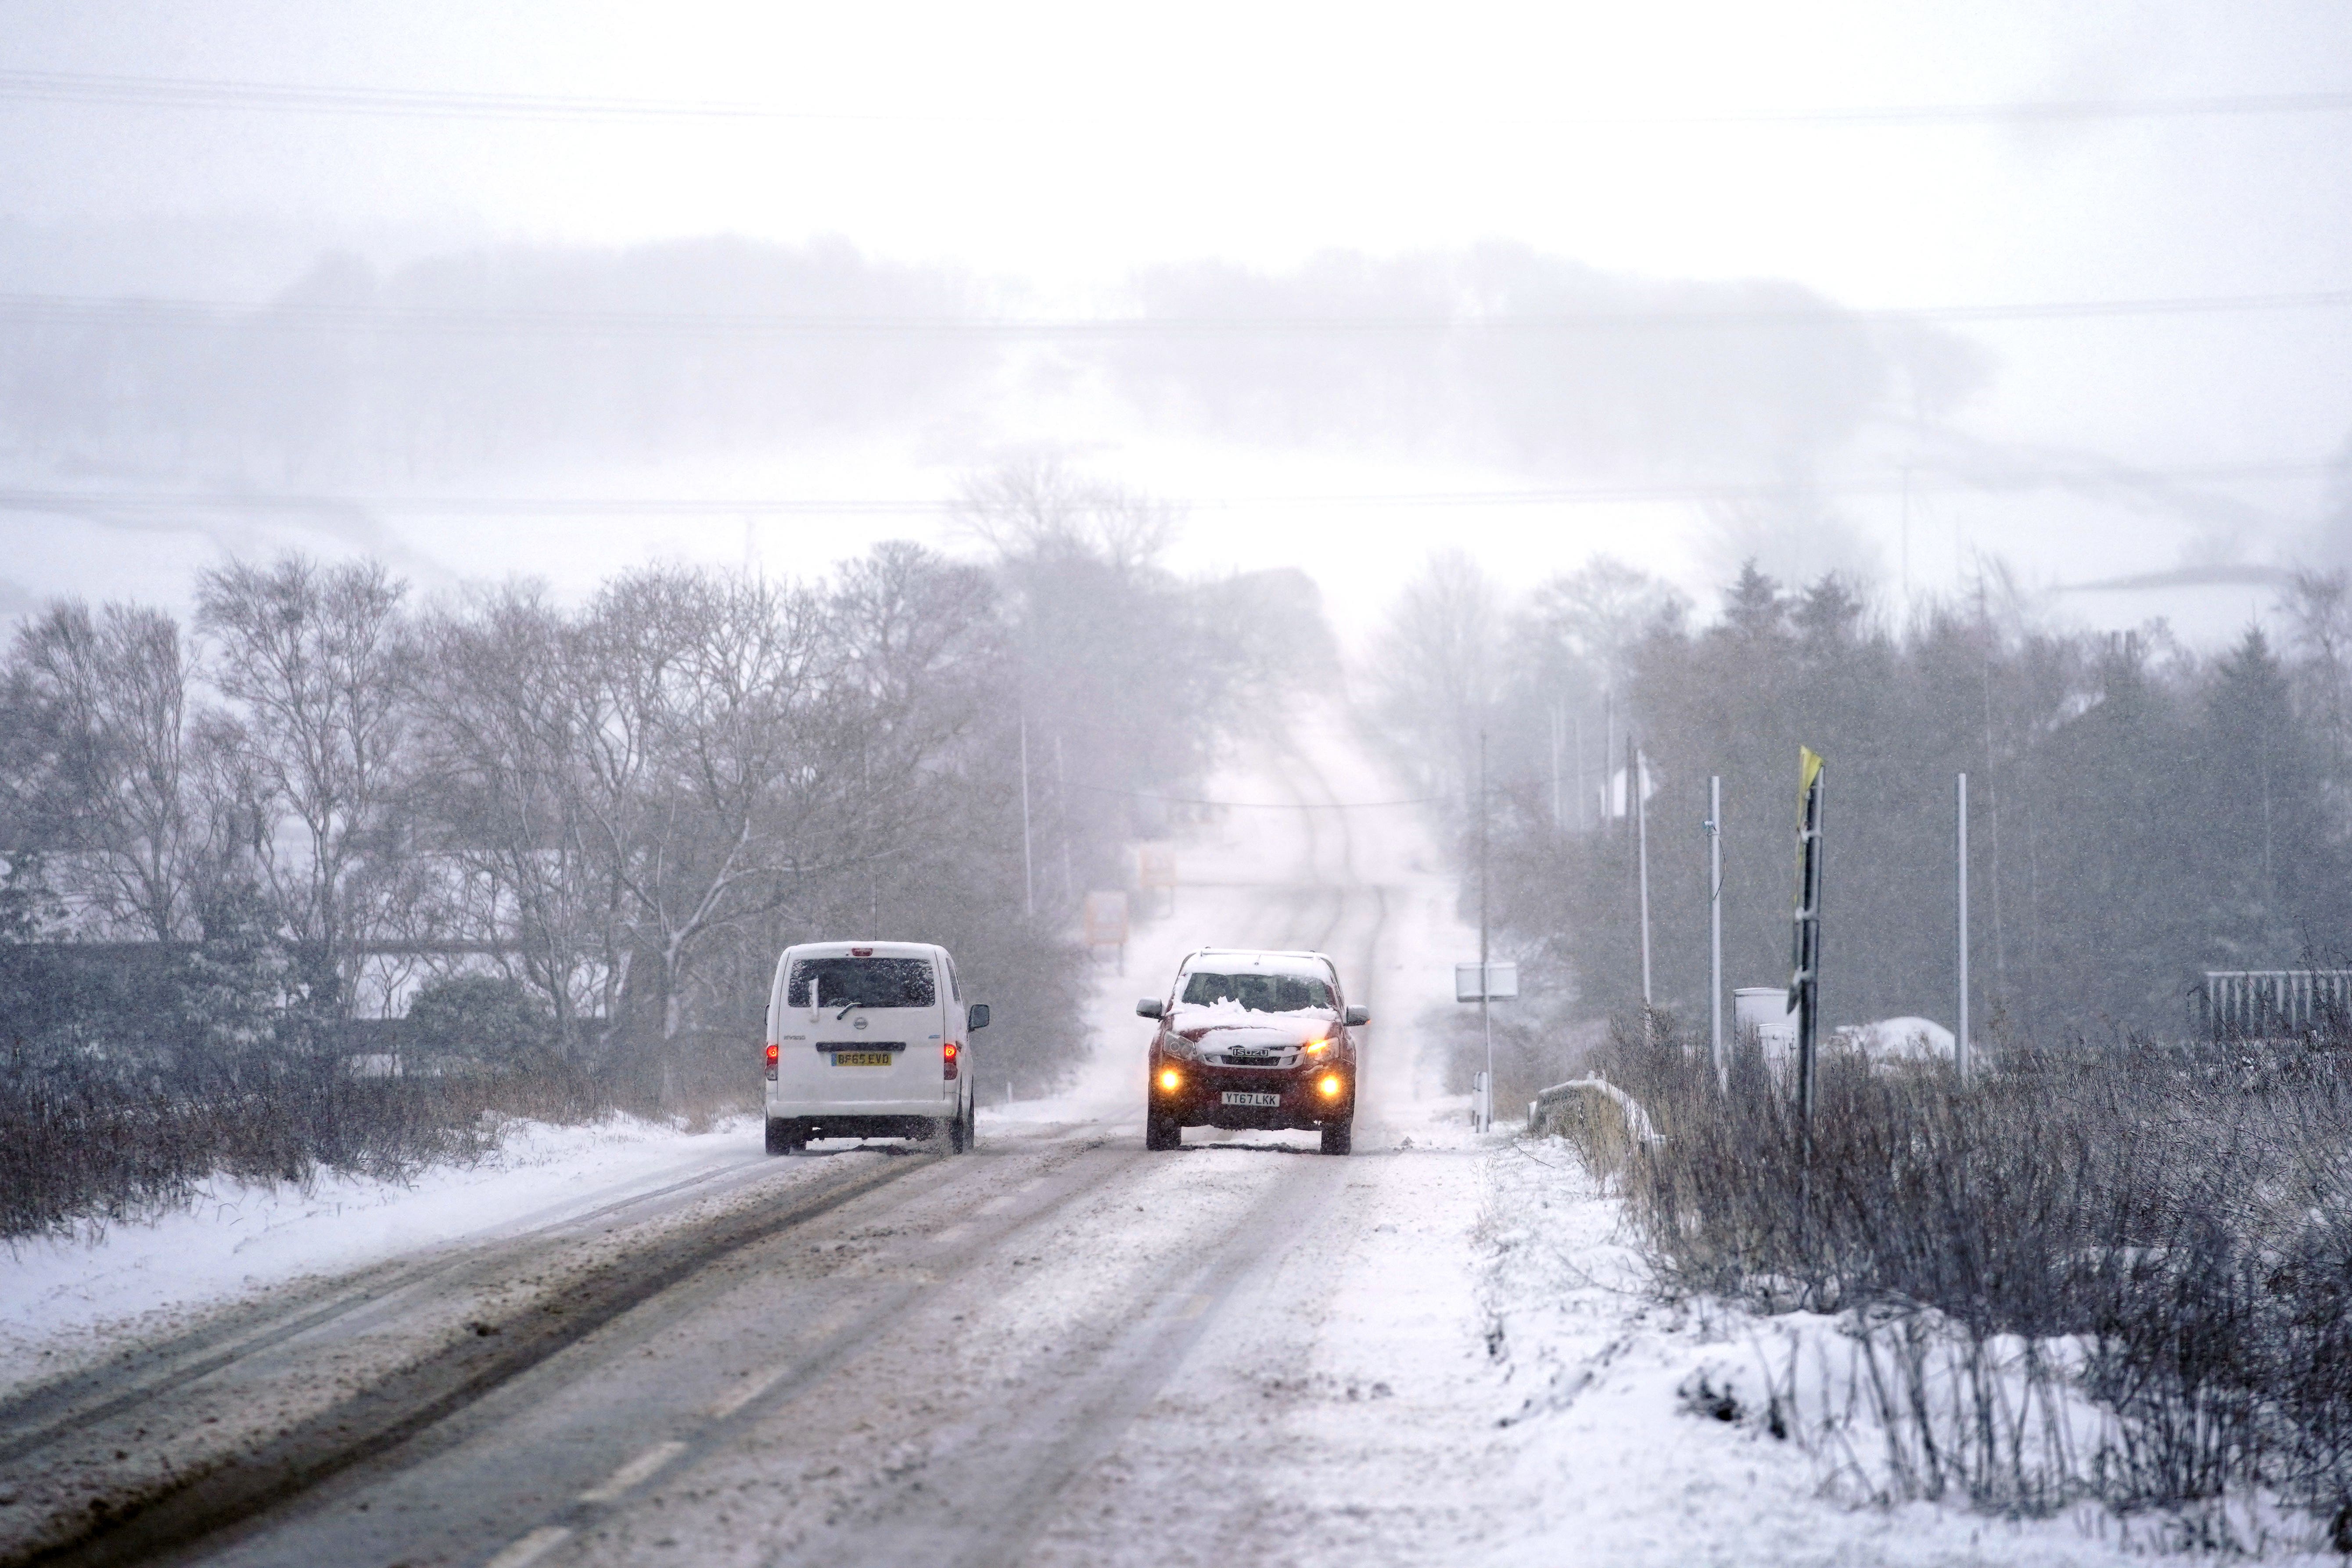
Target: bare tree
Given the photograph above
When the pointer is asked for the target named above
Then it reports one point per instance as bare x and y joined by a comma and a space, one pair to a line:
108, 695
704, 710
1438, 671
1588, 621
502, 768
313, 656
2318, 606
1041, 507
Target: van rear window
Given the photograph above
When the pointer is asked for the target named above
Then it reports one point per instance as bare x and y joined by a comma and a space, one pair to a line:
864, 982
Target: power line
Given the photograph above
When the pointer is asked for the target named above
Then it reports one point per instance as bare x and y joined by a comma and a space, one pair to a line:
1258, 805
148, 504
92, 311
174, 92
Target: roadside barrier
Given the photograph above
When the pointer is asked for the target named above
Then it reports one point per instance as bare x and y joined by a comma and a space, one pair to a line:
1541, 1107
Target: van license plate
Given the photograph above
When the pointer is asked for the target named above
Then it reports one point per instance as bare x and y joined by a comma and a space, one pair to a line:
861, 1058
1246, 1097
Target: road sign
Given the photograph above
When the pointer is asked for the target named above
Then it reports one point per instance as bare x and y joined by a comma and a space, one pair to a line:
1156, 865
1502, 982
1106, 915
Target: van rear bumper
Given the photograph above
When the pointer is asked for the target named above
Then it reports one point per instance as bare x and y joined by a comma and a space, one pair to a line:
835, 1109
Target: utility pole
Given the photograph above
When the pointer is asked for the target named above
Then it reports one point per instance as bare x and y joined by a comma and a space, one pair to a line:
1961, 1052
1062, 810
1485, 1022
1556, 726
1640, 810
1608, 750
1028, 862
1583, 801
1714, 932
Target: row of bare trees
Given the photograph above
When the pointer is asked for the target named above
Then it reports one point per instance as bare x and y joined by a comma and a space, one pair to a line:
623, 808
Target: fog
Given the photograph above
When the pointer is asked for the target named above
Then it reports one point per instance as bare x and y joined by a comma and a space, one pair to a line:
1879, 291
513, 518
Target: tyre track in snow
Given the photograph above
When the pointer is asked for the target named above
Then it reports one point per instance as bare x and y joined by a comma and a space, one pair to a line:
971, 1481
89, 1485
1035, 1439
558, 1451
43, 1413
1132, 1370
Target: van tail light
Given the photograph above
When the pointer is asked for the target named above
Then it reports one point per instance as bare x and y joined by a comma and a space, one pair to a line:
773, 1053
947, 1055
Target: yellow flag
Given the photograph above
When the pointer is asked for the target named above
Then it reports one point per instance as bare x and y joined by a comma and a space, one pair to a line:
1809, 773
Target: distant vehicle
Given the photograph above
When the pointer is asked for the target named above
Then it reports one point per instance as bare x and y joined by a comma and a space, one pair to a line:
1253, 1040
869, 1039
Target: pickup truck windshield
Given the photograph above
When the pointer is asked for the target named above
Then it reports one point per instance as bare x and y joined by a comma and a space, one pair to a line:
861, 983
1257, 993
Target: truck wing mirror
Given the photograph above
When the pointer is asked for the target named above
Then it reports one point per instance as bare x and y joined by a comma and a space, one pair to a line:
1357, 1017
976, 1016
1149, 1007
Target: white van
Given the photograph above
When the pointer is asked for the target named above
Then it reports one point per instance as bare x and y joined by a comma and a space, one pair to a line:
869, 1039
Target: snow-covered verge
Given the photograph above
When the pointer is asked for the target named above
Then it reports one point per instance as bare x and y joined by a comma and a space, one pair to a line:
1702, 1432
66, 1301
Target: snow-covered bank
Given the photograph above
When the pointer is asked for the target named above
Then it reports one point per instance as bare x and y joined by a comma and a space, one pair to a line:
64, 1301
1638, 1432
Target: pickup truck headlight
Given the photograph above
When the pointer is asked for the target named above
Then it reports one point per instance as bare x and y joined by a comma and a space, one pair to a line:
1177, 1048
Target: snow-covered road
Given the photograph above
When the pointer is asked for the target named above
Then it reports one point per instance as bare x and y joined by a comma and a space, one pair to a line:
1061, 1350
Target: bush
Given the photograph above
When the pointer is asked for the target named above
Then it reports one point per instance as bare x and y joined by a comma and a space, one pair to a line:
2166, 1230
83, 1146
484, 1016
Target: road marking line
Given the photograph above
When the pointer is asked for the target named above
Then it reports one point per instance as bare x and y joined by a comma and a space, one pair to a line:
1192, 1308
530, 1547
758, 1384
952, 1233
638, 1469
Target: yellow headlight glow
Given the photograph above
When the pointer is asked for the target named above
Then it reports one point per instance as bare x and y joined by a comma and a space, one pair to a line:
1331, 1086
1170, 1079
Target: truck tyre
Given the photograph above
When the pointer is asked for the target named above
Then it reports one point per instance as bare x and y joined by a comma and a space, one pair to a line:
1338, 1137
1161, 1133
786, 1136
959, 1135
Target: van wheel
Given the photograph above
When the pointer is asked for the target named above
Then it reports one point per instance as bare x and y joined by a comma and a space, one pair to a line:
972, 1123
1338, 1137
959, 1135
1161, 1133
786, 1136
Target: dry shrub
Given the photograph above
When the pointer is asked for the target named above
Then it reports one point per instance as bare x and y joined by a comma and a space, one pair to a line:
89, 1145
2167, 1231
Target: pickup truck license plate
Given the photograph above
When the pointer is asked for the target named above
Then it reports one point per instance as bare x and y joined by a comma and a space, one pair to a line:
861, 1058
1250, 1097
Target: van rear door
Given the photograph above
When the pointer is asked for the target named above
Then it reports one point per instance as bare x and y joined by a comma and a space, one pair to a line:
873, 1026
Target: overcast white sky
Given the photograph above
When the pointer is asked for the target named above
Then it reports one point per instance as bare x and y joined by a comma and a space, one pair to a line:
1057, 151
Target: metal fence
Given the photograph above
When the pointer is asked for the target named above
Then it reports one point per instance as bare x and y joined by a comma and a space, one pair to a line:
2266, 1002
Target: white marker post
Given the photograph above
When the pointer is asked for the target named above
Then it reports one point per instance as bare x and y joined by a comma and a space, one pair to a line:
1961, 1054
1482, 1115
1641, 854
1714, 932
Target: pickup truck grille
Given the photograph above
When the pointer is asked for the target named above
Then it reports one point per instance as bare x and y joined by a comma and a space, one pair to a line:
1255, 1059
